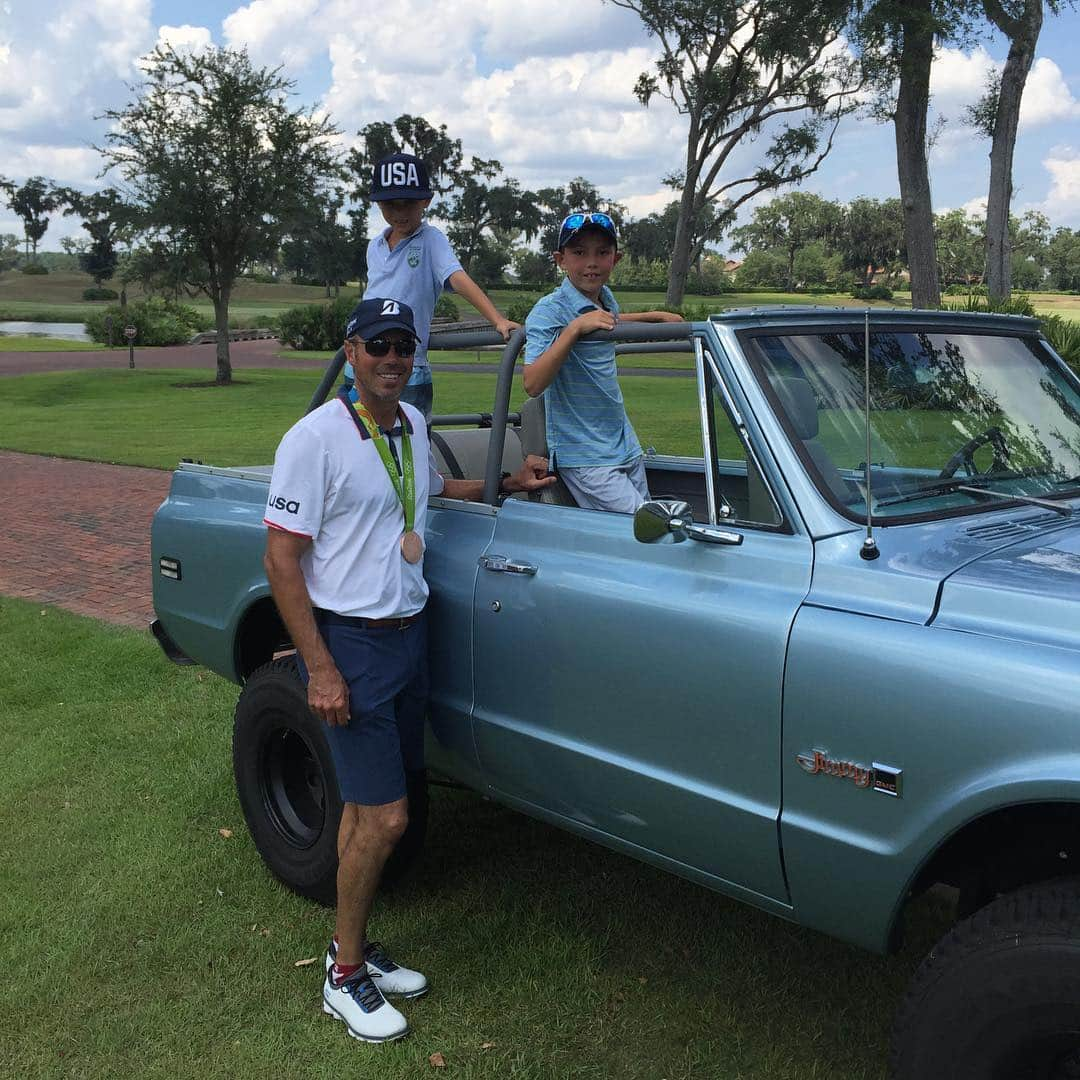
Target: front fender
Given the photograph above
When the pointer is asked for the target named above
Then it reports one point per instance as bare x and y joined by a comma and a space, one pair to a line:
974, 724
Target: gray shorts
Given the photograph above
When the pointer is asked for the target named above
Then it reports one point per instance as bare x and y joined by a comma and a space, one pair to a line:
620, 489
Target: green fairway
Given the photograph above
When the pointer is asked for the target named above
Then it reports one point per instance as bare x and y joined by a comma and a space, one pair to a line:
35, 343
141, 941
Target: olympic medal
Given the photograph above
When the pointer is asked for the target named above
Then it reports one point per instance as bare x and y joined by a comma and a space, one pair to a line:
412, 547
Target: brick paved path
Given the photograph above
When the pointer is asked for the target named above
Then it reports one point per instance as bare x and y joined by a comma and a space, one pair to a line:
77, 534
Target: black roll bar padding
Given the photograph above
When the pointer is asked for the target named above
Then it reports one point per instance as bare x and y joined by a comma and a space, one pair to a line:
677, 333
504, 384
333, 369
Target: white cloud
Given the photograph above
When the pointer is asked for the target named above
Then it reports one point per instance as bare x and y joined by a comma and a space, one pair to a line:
1047, 97
185, 38
279, 31
1062, 203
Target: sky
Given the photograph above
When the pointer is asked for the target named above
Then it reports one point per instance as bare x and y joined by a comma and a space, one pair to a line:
544, 86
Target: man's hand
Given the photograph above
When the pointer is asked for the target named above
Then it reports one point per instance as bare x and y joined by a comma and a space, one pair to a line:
597, 319
328, 696
666, 316
506, 327
532, 476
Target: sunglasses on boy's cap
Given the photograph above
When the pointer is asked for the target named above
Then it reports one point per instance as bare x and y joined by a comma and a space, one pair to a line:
574, 223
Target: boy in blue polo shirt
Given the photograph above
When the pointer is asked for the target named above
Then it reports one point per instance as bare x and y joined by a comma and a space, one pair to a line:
413, 262
590, 440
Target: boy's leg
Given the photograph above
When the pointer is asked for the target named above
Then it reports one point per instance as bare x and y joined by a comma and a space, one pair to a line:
420, 396
619, 489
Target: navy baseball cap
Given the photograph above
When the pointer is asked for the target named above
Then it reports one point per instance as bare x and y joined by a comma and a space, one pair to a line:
574, 223
371, 317
400, 176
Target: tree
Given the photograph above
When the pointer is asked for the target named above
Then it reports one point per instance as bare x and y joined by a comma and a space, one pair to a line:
788, 224
961, 247
901, 35
319, 247
1021, 22
1063, 260
34, 202
9, 251
873, 236
736, 69
485, 215
213, 156
106, 217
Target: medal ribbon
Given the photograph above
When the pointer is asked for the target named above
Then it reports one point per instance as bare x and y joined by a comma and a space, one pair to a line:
404, 484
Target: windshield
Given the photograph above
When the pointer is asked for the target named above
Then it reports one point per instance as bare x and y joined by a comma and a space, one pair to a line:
950, 412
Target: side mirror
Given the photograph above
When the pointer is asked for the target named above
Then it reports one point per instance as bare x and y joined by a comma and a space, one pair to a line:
664, 518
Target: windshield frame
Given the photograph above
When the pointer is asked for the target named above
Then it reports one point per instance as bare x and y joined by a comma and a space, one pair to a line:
883, 324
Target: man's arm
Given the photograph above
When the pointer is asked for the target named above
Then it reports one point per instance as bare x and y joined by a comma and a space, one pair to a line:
540, 374
328, 695
466, 288
532, 476
651, 316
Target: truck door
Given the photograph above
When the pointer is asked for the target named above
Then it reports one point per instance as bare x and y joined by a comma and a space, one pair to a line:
632, 691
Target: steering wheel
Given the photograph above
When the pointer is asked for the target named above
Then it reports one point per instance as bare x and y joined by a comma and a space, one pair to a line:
966, 455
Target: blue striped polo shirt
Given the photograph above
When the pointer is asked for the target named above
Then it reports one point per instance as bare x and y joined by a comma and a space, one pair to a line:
586, 419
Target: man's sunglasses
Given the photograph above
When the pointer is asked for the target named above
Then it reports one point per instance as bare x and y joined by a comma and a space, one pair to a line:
380, 346
575, 222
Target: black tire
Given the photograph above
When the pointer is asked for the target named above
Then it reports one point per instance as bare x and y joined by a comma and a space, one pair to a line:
287, 788
999, 997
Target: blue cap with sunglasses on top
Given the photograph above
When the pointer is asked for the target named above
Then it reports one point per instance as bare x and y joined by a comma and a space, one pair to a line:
574, 223
373, 316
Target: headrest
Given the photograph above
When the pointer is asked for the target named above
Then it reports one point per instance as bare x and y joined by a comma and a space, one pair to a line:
797, 399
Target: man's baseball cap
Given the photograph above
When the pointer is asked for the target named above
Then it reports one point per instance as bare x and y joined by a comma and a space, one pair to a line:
371, 317
400, 176
574, 223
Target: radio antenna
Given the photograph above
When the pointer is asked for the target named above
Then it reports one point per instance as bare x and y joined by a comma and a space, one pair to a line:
869, 549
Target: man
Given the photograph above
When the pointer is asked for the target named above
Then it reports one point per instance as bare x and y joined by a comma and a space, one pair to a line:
344, 556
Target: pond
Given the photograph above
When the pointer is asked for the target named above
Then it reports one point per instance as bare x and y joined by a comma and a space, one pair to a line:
73, 331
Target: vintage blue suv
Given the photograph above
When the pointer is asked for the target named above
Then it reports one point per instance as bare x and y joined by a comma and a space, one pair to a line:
834, 662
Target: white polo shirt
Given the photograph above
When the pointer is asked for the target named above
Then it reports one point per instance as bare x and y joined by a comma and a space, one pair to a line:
330, 484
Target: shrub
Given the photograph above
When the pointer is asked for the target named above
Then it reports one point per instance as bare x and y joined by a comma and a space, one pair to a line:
156, 322
1064, 337
317, 327
447, 309
99, 292
1019, 304
518, 311
34, 269
872, 292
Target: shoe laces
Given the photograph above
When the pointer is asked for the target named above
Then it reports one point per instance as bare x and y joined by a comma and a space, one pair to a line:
362, 989
376, 954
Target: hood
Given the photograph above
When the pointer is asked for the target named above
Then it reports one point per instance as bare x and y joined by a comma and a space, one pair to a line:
1029, 591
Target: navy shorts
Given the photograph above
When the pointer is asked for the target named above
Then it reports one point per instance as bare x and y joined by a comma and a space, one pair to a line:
387, 674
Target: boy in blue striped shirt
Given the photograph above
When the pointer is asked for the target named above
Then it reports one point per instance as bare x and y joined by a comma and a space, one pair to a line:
590, 440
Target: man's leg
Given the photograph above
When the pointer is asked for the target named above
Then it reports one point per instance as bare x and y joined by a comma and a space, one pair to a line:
366, 838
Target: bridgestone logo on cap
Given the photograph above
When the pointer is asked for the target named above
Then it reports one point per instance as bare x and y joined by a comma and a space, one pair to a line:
398, 174
390, 307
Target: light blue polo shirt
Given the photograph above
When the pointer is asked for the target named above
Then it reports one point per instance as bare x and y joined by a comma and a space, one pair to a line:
415, 272
585, 416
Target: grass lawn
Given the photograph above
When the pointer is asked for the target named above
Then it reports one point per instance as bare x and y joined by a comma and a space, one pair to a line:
151, 418
35, 343
155, 418
139, 941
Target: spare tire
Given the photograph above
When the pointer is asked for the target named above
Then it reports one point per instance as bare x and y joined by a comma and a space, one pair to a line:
999, 996
288, 791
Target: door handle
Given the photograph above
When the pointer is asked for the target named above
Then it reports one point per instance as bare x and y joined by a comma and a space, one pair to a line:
500, 564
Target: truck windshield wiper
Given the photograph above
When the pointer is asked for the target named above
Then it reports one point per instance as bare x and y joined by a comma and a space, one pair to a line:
945, 487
